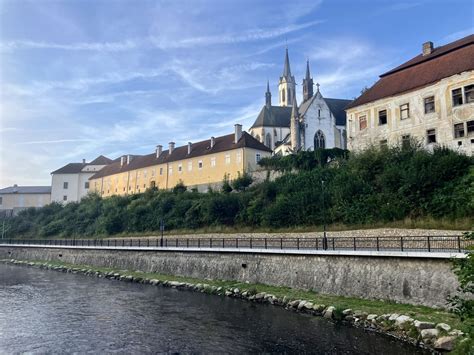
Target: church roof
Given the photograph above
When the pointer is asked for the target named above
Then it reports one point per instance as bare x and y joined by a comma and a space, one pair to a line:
273, 116
337, 107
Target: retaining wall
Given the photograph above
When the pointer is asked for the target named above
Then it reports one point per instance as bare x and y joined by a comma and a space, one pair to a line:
424, 281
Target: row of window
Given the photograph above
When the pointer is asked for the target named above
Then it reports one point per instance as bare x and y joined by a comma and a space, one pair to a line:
180, 169
460, 96
66, 185
459, 132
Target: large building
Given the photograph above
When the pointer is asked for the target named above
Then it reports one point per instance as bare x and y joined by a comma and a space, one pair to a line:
197, 165
318, 123
429, 99
16, 198
71, 182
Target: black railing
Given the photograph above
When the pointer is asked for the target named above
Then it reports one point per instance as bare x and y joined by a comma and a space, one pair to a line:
406, 243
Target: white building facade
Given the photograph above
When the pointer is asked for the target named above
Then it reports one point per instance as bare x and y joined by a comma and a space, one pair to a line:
71, 182
16, 198
429, 99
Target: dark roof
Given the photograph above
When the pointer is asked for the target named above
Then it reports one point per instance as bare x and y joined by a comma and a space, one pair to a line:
75, 168
26, 190
274, 116
337, 107
71, 168
444, 61
101, 160
221, 144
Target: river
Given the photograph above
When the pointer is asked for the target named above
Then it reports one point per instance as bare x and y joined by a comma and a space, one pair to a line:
44, 311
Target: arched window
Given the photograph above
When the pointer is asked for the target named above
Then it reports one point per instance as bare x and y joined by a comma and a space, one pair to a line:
268, 140
283, 95
319, 140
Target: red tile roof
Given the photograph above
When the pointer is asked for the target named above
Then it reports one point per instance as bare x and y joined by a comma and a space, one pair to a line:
445, 61
222, 144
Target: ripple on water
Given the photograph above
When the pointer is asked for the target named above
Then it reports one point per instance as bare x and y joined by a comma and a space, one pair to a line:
46, 311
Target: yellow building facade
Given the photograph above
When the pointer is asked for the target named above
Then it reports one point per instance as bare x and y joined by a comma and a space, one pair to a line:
197, 165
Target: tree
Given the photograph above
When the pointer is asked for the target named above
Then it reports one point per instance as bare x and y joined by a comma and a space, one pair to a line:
242, 182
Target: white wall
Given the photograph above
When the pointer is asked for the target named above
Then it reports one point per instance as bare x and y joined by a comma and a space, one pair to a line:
325, 123
19, 200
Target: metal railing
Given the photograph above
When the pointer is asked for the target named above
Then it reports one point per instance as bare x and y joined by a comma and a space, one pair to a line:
403, 243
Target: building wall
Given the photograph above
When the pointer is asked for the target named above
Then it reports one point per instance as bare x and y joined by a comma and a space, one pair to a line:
76, 184
277, 134
421, 281
442, 120
166, 176
19, 200
318, 117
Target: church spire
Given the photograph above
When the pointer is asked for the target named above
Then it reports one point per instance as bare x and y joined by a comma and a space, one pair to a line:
307, 84
287, 84
294, 126
268, 96
286, 68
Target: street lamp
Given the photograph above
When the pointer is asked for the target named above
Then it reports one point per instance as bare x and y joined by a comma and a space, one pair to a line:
325, 238
162, 229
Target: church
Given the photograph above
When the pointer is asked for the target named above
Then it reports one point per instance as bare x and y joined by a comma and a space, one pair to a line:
318, 122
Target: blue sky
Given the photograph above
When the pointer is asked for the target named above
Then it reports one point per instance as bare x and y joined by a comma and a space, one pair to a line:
90, 77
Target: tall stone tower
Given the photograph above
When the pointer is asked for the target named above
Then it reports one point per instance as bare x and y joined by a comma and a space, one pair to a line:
287, 85
307, 84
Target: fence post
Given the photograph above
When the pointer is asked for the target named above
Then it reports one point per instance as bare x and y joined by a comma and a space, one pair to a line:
459, 243
378, 247
250, 242
333, 248
281, 243
236, 243
317, 246
199, 243
210, 242
223, 245
401, 243
176, 242
354, 243
429, 245
187, 242
298, 243
265, 243
123, 242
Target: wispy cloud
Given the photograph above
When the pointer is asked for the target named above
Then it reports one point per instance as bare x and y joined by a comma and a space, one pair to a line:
55, 141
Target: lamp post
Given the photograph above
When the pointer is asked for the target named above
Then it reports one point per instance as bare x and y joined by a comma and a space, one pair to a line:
162, 229
325, 238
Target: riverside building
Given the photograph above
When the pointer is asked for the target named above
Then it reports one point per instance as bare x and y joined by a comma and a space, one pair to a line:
197, 165
429, 99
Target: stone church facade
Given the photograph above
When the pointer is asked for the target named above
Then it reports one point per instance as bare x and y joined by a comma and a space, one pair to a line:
317, 123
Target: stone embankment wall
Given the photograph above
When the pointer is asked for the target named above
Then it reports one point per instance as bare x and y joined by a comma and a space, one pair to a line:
422, 281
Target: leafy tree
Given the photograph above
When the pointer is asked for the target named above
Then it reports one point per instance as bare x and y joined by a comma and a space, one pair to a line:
242, 182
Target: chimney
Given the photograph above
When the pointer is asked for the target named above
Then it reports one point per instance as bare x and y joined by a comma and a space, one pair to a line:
129, 159
83, 161
427, 48
122, 160
159, 150
170, 148
213, 142
15, 185
189, 147
238, 132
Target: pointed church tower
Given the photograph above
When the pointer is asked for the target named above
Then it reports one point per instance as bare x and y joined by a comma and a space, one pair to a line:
295, 126
268, 96
307, 84
287, 85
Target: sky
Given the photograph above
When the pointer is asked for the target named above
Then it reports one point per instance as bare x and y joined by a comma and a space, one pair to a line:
80, 78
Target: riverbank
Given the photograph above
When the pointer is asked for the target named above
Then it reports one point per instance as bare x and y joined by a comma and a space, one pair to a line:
421, 326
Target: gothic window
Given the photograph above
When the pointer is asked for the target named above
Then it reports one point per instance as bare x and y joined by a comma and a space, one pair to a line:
319, 140
283, 95
268, 140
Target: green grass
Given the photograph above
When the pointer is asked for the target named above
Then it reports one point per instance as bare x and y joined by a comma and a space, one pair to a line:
421, 313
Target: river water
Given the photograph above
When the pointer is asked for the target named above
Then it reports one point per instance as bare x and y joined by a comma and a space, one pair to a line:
44, 311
